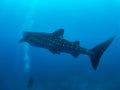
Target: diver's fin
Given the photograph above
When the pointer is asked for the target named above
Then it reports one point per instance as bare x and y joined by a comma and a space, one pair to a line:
98, 52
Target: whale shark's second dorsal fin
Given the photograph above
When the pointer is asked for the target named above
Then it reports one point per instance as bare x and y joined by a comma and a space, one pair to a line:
58, 33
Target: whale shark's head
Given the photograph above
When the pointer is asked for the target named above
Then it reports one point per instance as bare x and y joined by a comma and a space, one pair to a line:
25, 36
32, 36
28, 36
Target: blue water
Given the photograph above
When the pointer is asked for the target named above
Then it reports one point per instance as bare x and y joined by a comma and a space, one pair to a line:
89, 21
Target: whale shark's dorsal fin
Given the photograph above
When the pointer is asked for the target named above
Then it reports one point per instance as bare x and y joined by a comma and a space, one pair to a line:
58, 33
76, 43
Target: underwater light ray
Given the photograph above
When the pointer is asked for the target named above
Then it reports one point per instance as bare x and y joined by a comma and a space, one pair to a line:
26, 58
28, 26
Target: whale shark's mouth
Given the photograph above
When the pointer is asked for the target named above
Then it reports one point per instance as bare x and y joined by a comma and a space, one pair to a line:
25, 35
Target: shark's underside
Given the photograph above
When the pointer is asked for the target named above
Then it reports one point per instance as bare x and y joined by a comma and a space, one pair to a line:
56, 43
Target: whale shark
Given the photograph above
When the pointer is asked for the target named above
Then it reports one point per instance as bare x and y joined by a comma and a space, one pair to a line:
57, 44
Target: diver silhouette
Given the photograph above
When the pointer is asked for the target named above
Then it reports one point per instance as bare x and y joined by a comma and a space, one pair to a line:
30, 82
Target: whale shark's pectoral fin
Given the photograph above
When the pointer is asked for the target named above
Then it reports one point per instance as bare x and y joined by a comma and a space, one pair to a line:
75, 55
54, 51
58, 34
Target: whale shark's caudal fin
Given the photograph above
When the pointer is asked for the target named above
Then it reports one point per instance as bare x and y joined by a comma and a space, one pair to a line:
98, 52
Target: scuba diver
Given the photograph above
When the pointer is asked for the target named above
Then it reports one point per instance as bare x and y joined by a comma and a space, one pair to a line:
30, 82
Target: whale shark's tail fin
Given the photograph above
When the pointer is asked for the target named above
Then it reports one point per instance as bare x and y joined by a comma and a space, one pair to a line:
98, 51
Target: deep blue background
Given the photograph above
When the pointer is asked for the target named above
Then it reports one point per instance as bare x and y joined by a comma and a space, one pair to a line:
89, 21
